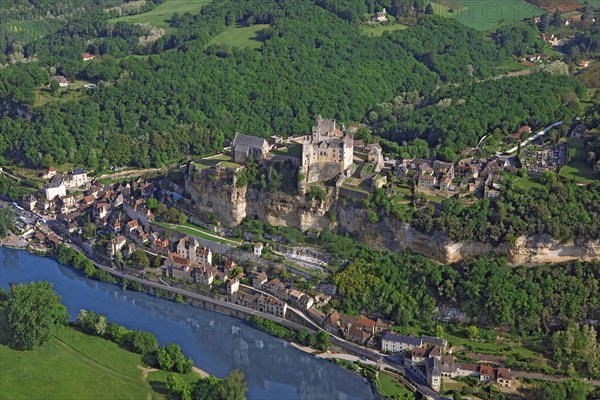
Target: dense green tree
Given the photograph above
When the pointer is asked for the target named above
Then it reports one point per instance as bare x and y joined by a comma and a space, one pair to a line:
170, 358
32, 311
140, 258
140, 342
6, 220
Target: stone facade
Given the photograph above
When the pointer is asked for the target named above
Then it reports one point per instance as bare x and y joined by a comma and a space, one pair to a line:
326, 152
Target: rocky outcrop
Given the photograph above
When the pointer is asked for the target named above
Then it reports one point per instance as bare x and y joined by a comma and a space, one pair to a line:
396, 235
215, 192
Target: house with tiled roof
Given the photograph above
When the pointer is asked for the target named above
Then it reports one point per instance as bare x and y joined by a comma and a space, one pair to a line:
161, 246
316, 315
332, 323
62, 81
486, 373
357, 335
503, 377
259, 280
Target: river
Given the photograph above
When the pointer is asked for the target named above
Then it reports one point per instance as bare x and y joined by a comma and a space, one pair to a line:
217, 343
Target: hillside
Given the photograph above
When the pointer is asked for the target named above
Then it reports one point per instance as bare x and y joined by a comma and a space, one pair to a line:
256, 68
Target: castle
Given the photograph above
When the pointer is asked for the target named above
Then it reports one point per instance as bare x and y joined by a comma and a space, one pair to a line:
327, 152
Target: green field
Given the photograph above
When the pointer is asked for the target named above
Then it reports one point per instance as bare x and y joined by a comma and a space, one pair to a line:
578, 168
390, 386
240, 36
485, 15
160, 16
528, 182
72, 92
512, 67
378, 30
194, 230
73, 365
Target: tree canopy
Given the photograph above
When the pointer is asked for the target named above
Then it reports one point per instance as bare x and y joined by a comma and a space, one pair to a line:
31, 312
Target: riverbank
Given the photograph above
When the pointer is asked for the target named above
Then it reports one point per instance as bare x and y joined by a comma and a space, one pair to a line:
12, 241
217, 343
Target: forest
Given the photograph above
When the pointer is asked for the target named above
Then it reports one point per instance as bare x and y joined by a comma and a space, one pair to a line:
158, 103
454, 118
563, 210
408, 288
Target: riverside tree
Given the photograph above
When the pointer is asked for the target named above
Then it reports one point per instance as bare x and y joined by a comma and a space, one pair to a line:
32, 310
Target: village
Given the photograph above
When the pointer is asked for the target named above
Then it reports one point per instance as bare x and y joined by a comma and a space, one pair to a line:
123, 223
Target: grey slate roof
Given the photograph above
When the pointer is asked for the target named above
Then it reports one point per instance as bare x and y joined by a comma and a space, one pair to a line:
250, 141
411, 340
435, 341
433, 366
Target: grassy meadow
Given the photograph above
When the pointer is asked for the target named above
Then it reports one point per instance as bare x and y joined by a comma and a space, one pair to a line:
240, 36
378, 30
161, 15
73, 365
578, 168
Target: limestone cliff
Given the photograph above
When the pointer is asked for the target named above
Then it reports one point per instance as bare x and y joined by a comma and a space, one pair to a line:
214, 191
396, 235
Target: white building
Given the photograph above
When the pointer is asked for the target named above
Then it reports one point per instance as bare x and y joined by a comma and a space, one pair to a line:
190, 249
77, 178
395, 343
258, 248
55, 188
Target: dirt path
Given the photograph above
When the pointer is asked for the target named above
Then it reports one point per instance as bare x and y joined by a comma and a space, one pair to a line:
145, 372
128, 173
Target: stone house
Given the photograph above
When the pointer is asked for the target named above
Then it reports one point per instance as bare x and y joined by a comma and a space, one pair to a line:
190, 248
375, 156
434, 374
486, 373
427, 182
326, 152
503, 377
259, 280
233, 286
357, 335
380, 16
244, 146
115, 246
161, 246
258, 248
62, 81
394, 343
332, 323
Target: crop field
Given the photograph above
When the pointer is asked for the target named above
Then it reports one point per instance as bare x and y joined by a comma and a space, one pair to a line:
161, 15
561, 5
485, 15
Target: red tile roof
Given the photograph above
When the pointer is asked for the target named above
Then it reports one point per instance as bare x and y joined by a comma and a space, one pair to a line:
486, 370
